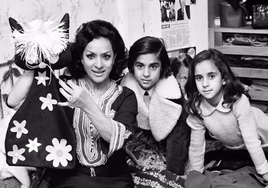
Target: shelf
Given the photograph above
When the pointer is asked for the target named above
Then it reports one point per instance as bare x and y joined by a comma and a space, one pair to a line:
243, 50
247, 30
216, 41
253, 73
250, 72
258, 95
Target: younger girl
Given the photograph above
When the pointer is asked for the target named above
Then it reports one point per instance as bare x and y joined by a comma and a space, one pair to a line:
217, 103
180, 69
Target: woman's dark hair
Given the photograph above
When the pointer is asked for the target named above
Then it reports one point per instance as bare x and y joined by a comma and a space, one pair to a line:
148, 45
94, 30
176, 63
232, 90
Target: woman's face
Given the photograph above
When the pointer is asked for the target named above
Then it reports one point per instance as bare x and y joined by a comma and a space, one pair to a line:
209, 81
98, 59
147, 70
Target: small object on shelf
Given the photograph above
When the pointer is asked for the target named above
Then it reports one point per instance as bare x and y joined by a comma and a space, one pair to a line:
260, 16
232, 17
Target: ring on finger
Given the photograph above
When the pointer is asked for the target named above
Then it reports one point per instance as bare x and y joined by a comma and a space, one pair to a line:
71, 99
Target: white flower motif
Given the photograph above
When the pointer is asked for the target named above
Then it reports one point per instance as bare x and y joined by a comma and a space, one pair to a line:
59, 152
42, 78
33, 145
16, 154
19, 128
48, 102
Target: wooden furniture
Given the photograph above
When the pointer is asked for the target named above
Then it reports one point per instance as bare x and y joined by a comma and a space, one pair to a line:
216, 37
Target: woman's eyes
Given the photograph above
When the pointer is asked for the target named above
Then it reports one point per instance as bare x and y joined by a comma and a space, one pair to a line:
106, 57
92, 56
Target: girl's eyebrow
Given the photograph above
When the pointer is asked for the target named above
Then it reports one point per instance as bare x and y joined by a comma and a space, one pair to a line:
212, 72
155, 63
208, 73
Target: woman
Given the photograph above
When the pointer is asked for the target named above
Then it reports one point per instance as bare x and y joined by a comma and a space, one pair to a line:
104, 113
161, 148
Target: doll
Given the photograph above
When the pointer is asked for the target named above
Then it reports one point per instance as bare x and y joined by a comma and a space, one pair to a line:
40, 133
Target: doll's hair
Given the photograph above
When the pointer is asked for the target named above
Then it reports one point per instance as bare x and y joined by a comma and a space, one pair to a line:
232, 90
93, 30
182, 59
150, 45
41, 43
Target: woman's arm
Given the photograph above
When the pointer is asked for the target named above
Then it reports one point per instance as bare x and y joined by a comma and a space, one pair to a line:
105, 126
20, 90
125, 118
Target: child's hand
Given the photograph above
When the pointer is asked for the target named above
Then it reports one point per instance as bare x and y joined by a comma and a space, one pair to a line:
265, 177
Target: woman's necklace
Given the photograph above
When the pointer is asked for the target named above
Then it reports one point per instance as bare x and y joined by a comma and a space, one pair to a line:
97, 95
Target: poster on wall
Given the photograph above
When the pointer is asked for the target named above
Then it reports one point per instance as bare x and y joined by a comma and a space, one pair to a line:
175, 23
191, 51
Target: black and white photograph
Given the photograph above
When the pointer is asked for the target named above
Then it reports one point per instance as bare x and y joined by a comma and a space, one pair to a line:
133, 94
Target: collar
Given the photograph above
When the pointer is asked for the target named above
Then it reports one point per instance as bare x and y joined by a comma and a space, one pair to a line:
150, 92
166, 87
157, 117
205, 109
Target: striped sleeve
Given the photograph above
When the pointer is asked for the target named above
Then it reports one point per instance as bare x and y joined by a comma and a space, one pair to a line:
120, 133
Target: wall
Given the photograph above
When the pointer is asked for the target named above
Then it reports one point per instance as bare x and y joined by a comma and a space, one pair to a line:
133, 18
144, 19
199, 25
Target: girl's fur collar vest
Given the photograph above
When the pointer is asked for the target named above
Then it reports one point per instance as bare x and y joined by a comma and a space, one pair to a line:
163, 114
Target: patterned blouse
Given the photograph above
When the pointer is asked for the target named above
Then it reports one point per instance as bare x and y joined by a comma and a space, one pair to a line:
119, 104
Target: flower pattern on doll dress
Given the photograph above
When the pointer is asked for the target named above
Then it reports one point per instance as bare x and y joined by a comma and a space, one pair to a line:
59, 152
48, 102
33, 145
16, 154
41, 78
19, 128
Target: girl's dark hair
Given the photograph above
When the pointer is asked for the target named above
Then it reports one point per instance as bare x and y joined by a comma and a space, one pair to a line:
94, 30
177, 62
148, 45
232, 90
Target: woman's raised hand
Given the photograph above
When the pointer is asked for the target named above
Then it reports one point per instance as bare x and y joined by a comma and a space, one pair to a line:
76, 96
